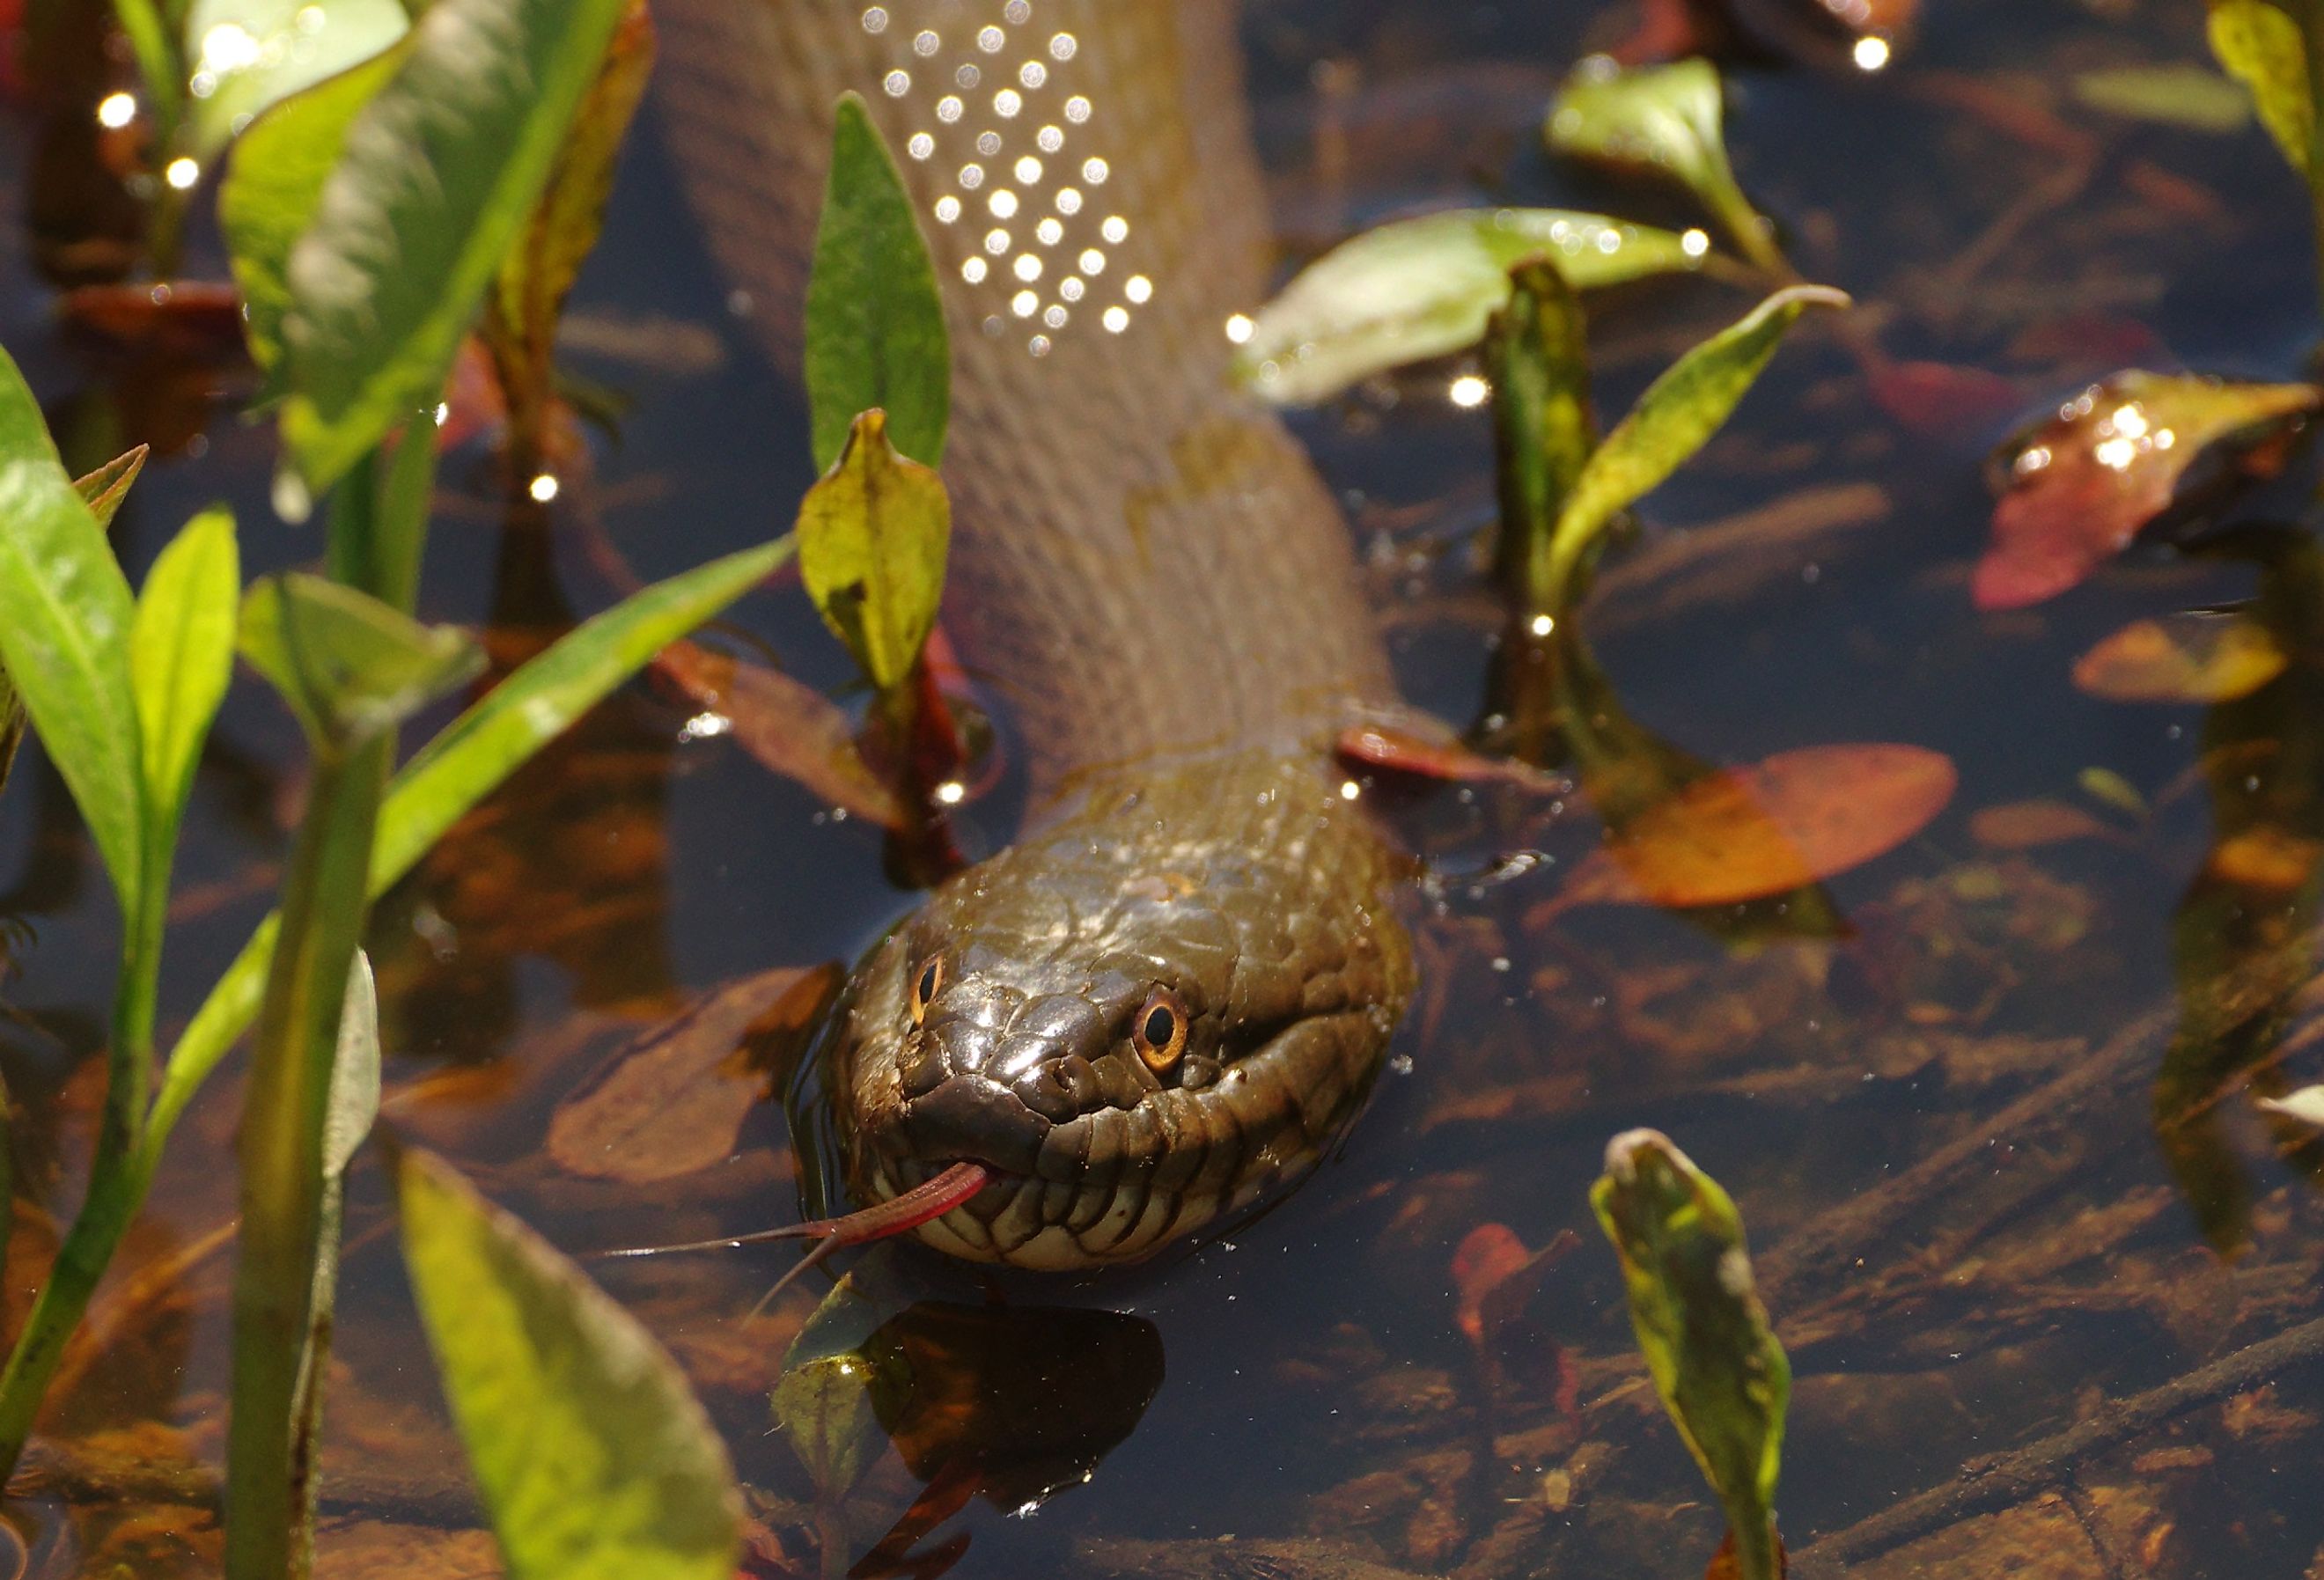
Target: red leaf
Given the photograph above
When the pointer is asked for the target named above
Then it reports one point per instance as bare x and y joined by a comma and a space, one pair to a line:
1488, 1254
1938, 397
1416, 744
2083, 484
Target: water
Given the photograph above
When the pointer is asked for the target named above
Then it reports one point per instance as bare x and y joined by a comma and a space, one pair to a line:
1295, 1400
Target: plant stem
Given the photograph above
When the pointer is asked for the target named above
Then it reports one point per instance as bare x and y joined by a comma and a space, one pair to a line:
323, 913
2310, 17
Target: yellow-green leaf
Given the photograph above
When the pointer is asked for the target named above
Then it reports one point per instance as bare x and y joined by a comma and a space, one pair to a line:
2182, 658
872, 535
875, 327
594, 1459
1674, 418
349, 665
1421, 288
2180, 94
103, 489
1660, 119
181, 641
1699, 1322
247, 55
2261, 47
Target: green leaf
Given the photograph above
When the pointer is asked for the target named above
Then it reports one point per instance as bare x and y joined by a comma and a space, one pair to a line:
151, 47
65, 614
594, 1459
181, 641
1538, 357
466, 763
2183, 94
1699, 1322
1423, 288
248, 55
2261, 47
273, 180
439, 174
103, 489
872, 535
1662, 118
875, 327
349, 665
539, 272
1672, 420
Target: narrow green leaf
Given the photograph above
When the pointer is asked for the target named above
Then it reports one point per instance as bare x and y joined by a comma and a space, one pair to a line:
594, 1459
872, 535
349, 665
103, 489
158, 67
463, 765
875, 327
1704, 1334
1537, 358
65, 614
1674, 419
273, 180
2261, 47
181, 641
535, 277
248, 55
1422, 288
354, 1105
439, 171
1662, 118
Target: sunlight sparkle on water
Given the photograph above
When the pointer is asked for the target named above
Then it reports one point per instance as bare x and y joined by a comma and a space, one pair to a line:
1469, 390
543, 488
1694, 244
1240, 328
1871, 53
182, 173
116, 110
1542, 625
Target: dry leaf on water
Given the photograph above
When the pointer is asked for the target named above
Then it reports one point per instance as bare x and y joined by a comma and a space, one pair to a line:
674, 1102
1745, 833
2182, 658
2267, 858
2083, 485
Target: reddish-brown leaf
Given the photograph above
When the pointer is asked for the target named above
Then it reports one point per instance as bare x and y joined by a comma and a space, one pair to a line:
791, 729
1415, 743
1488, 1254
1725, 1566
2083, 484
673, 1102
1748, 833
1942, 397
2025, 825
194, 319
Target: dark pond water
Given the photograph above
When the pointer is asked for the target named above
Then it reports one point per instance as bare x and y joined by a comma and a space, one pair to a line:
1941, 1124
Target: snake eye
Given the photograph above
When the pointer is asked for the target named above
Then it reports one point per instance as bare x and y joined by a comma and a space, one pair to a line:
924, 987
1160, 1033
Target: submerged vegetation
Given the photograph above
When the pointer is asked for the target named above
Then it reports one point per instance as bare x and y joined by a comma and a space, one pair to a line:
406, 204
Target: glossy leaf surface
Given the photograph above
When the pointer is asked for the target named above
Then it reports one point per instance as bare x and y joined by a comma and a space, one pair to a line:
873, 537
594, 1459
1416, 288
65, 614
2081, 485
182, 640
1699, 1322
875, 327
439, 171
248, 55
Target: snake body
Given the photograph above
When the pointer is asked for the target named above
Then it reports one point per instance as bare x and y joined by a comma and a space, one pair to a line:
1146, 570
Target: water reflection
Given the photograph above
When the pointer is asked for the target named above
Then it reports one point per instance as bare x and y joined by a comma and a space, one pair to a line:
2243, 936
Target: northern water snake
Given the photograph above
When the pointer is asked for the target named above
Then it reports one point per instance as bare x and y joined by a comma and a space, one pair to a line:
1175, 990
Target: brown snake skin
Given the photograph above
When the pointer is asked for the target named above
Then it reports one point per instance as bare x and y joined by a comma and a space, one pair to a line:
1146, 570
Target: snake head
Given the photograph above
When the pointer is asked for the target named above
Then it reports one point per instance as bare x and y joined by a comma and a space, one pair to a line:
1155, 1011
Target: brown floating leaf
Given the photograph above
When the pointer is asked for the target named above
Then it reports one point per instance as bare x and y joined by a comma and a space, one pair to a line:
2023, 825
2182, 658
673, 1102
1746, 834
2081, 485
2266, 857
790, 728
196, 320
1419, 745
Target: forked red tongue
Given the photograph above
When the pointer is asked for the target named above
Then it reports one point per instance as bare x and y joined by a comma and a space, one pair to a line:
896, 1215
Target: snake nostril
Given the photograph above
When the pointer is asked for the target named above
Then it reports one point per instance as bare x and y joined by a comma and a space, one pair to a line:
1058, 1088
